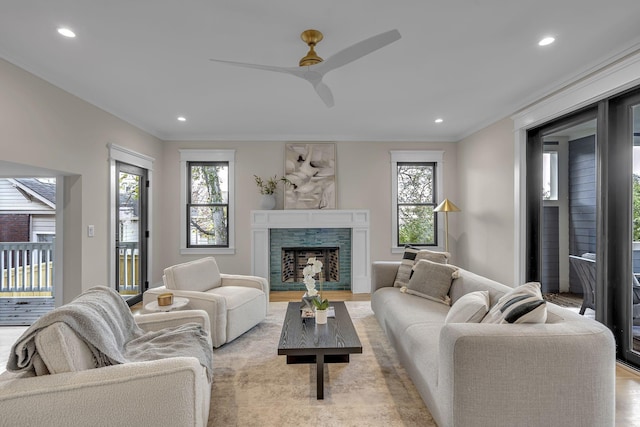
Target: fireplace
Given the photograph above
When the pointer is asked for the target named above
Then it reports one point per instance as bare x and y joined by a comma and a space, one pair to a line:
353, 262
290, 248
294, 261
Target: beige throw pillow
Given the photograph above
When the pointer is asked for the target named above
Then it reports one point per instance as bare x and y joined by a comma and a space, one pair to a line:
432, 280
410, 257
470, 308
523, 304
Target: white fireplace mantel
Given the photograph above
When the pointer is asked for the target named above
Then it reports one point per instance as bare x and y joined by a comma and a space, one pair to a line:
356, 220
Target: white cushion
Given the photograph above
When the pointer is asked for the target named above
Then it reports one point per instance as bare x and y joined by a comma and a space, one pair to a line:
199, 275
470, 308
62, 351
523, 304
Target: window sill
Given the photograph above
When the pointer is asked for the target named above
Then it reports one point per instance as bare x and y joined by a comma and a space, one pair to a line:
207, 251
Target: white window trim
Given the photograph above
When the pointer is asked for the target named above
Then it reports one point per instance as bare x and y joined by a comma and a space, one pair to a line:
400, 156
190, 155
125, 155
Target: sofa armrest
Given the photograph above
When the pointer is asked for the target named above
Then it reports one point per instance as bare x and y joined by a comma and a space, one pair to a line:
156, 321
383, 274
173, 391
214, 305
549, 374
249, 281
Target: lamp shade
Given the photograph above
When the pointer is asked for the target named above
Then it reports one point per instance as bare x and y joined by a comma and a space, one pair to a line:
446, 206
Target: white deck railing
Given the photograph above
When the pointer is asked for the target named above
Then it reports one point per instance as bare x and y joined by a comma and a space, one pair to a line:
26, 267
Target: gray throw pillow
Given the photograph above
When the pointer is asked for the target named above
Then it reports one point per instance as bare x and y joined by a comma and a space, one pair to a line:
432, 280
410, 257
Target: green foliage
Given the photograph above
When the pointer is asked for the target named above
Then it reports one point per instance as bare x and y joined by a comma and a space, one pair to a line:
270, 185
416, 219
210, 221
416, 225
320, 304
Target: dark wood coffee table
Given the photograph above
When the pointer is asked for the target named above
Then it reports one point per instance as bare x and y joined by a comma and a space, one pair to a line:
302, 341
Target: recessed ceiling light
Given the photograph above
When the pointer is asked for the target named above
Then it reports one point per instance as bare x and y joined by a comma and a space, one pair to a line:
546, 41
66, 32
182, 119
439, 120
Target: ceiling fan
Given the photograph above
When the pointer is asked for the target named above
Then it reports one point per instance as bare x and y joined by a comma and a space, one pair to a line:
313, 68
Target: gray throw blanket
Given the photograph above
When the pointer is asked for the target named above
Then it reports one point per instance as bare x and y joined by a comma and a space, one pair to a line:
102, 319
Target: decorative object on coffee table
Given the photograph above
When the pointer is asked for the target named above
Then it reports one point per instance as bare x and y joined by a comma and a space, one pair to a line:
321, 316
314, 267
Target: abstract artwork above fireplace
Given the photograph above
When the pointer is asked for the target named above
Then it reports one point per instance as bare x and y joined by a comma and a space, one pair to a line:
311, 172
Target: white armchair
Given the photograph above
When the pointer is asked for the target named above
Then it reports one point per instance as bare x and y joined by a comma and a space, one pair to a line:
235, 303
172, 391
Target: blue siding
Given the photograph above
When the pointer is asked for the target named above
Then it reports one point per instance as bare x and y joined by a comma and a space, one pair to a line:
582, 201
550, 250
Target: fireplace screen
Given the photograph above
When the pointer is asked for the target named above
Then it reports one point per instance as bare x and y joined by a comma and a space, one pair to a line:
294, 260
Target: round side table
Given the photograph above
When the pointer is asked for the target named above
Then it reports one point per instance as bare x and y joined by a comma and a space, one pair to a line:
178, 304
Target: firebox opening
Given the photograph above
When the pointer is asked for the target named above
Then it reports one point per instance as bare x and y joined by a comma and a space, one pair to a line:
294, 260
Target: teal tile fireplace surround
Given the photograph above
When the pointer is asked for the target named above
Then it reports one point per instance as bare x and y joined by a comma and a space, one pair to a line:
280, 238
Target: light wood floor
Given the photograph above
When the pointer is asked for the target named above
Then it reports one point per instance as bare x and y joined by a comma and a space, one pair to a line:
627, 379
330, 295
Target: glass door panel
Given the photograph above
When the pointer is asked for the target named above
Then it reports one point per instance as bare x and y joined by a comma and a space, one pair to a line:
131, 232
634, 309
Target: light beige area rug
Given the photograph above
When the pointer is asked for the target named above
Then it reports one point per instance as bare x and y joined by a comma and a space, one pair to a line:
253, 386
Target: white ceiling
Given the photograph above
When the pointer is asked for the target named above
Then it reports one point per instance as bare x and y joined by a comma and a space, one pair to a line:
469, 62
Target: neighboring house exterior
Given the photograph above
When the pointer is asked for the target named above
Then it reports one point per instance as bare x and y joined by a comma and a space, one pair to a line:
27, 210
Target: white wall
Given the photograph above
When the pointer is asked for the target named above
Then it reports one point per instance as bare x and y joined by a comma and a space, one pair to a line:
363, 182
485, 240
46, 127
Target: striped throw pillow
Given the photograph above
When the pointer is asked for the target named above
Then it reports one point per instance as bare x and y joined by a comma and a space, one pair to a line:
523, 304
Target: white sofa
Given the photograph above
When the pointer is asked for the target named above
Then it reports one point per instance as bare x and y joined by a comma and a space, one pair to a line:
235, 303
166, 392
559, 373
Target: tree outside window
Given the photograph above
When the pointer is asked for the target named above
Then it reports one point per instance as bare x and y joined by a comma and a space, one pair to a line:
416, 201
208, 204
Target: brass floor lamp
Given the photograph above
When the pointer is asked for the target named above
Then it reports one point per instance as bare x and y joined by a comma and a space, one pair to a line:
446, 206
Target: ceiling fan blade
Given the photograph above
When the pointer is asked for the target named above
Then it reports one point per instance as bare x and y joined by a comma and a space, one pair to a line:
324, 92
296, 71
357, 51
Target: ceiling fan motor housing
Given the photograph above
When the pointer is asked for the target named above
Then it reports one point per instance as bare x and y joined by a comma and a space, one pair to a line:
311, 38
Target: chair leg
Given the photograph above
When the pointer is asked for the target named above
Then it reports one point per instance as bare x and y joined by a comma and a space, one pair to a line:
582, 309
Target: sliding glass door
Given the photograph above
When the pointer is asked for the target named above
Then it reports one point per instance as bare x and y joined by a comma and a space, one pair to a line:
625, 297
561, 210
596, 191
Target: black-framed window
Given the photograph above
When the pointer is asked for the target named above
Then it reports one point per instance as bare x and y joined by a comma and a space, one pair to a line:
416, 200
207, 204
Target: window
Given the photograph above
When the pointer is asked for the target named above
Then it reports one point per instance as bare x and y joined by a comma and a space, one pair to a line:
415, 193
208, 204
207, 196
550, 175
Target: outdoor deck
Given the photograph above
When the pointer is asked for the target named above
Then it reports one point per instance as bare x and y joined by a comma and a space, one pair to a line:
23, 311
